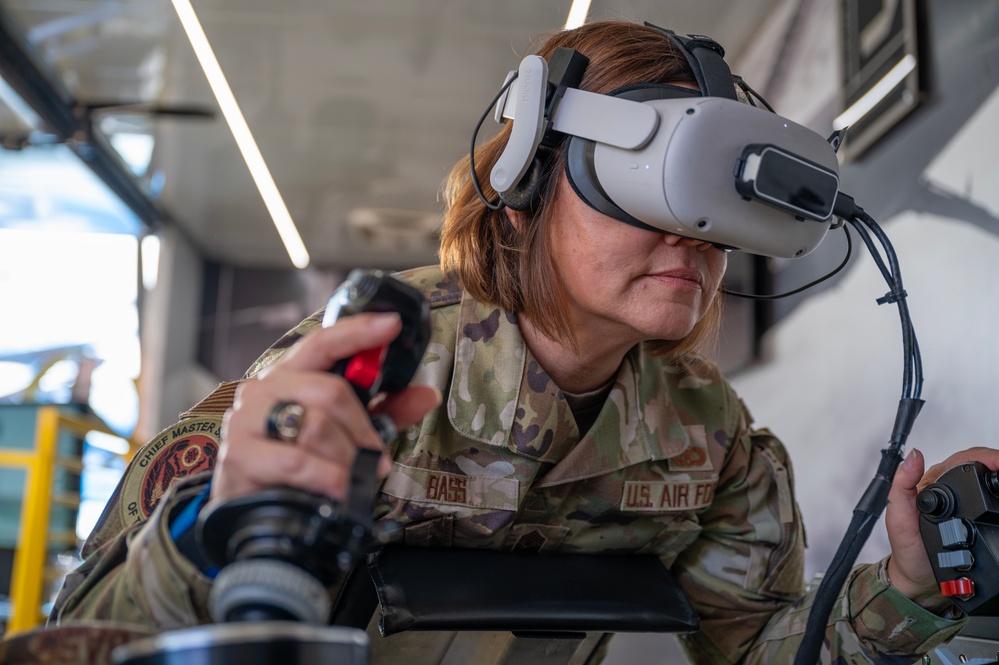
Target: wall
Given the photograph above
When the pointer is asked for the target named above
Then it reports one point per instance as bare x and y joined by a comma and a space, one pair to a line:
171, 379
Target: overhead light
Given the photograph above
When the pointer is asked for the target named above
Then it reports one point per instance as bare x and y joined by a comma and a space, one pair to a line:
150, 252
577, 14
873, 97
241, 132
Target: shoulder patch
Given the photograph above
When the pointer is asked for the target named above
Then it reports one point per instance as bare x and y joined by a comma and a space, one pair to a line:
695, 457
182, 450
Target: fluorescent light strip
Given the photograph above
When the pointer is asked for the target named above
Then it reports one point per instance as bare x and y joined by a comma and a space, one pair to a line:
149, 249
577, 14
241, 132
872, 97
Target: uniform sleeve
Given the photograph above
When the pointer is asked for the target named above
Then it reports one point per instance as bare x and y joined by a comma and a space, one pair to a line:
133, 571
745, 577
140, 577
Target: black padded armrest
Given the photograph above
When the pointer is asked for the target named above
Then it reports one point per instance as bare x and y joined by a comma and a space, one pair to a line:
424, 588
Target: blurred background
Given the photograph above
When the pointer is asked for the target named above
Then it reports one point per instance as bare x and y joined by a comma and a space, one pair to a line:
180, 184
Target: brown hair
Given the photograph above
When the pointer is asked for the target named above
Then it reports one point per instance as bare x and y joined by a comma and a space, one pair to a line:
514, 267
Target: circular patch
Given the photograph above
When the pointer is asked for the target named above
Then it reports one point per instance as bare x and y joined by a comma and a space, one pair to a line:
184, 449
179, 459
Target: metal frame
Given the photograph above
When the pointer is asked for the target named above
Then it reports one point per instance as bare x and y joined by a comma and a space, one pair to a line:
44, 92
33, 537
862, 68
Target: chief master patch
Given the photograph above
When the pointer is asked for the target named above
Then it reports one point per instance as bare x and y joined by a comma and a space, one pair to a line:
186, 448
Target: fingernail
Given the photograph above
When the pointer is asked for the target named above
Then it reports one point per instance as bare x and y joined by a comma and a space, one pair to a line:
907, 462
385, 320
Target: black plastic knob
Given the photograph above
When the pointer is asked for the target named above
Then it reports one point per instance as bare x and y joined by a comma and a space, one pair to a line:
992, 482
935, 501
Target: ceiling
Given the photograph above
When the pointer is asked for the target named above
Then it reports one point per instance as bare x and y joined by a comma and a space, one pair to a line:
359, 108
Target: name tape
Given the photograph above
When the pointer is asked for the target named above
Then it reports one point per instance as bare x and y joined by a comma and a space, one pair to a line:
442, 487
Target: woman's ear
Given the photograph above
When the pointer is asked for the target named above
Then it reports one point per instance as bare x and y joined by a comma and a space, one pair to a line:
517, 218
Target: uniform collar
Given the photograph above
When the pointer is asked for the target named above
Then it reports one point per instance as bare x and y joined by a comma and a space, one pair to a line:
501, 396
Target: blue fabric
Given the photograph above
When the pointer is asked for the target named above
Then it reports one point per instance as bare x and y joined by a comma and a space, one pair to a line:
182, 532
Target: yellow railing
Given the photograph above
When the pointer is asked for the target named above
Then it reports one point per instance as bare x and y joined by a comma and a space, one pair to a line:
31, 553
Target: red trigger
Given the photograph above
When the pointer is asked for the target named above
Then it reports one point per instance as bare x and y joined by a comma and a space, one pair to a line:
365, 368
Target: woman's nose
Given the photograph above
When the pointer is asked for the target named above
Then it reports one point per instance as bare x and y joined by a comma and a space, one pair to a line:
681, 241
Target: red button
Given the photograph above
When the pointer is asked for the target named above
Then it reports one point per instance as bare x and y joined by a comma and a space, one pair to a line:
960, 587
364, 368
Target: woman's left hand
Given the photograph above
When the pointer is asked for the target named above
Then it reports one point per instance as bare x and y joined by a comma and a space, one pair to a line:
909, 567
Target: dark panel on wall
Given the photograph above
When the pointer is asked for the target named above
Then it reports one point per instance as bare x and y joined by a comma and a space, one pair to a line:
245, 310
881, 67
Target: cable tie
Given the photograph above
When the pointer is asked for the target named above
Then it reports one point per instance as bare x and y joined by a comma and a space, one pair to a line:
892, 297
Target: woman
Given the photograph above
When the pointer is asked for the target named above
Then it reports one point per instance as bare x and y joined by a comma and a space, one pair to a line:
560, 407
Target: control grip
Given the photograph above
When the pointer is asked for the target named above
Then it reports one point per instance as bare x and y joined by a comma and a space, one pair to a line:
381, 369
959, 524
279, 548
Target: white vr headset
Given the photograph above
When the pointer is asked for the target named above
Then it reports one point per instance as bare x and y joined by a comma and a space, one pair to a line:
668, 159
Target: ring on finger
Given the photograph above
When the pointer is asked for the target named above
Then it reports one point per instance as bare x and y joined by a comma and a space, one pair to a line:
284, 422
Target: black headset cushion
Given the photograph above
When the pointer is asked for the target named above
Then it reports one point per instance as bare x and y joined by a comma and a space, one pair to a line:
526, 194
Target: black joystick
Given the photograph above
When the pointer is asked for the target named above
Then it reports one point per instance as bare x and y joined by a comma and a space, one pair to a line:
992, 482
959, 523
280, 549
935, 502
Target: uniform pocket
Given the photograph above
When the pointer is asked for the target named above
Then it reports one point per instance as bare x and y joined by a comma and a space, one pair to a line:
537, 538
438, 532
678, 534
785, 565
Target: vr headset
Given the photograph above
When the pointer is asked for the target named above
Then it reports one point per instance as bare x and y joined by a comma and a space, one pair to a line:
702, 165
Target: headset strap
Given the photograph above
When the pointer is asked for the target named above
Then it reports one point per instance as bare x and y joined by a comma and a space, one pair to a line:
565, 70
707, 60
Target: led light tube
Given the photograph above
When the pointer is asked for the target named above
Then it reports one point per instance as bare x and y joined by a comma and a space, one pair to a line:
241, 132
872, 97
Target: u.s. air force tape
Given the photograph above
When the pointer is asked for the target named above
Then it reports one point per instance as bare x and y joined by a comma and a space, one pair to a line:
656, 496
184, 449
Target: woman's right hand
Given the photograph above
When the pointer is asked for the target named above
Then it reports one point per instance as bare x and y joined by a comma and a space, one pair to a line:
335, 423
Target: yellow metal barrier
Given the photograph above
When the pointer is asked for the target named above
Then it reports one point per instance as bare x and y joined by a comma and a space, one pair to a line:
32, 543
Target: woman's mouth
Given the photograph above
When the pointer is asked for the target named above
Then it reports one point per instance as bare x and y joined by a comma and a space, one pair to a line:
680, 277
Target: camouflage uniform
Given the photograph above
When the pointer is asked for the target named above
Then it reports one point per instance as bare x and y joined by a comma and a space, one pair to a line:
671, 466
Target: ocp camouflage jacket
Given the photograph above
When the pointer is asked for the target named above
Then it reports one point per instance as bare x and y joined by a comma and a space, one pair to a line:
671, 466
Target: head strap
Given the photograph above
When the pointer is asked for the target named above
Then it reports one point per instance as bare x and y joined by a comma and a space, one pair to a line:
707, 60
